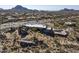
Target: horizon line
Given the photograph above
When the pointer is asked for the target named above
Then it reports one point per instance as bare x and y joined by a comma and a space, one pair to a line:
43, 7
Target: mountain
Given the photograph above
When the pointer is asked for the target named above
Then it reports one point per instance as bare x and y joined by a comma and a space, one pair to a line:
19, 8
1, 9
66, 9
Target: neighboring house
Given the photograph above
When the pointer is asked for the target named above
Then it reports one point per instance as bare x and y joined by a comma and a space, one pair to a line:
9, 19
60, 32
70, 23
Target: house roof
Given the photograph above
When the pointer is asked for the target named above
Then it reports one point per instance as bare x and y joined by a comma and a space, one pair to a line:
35, 25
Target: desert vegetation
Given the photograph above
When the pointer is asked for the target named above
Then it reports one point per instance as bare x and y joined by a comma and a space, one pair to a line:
16, 38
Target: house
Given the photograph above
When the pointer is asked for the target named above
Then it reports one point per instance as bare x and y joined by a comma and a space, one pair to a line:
47, 30
60, 32
70, 23
24, 43
9, 17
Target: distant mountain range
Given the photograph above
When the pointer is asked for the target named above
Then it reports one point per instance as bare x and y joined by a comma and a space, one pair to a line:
20, 8
66, 9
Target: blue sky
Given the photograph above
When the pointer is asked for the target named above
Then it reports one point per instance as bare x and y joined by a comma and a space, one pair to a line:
43, 7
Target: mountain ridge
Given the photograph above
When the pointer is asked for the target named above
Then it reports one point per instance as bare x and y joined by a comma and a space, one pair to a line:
19, 8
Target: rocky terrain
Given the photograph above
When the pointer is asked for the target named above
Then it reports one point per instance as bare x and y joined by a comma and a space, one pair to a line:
16, 37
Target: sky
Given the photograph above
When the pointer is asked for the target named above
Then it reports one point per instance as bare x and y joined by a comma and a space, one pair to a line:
44, 7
